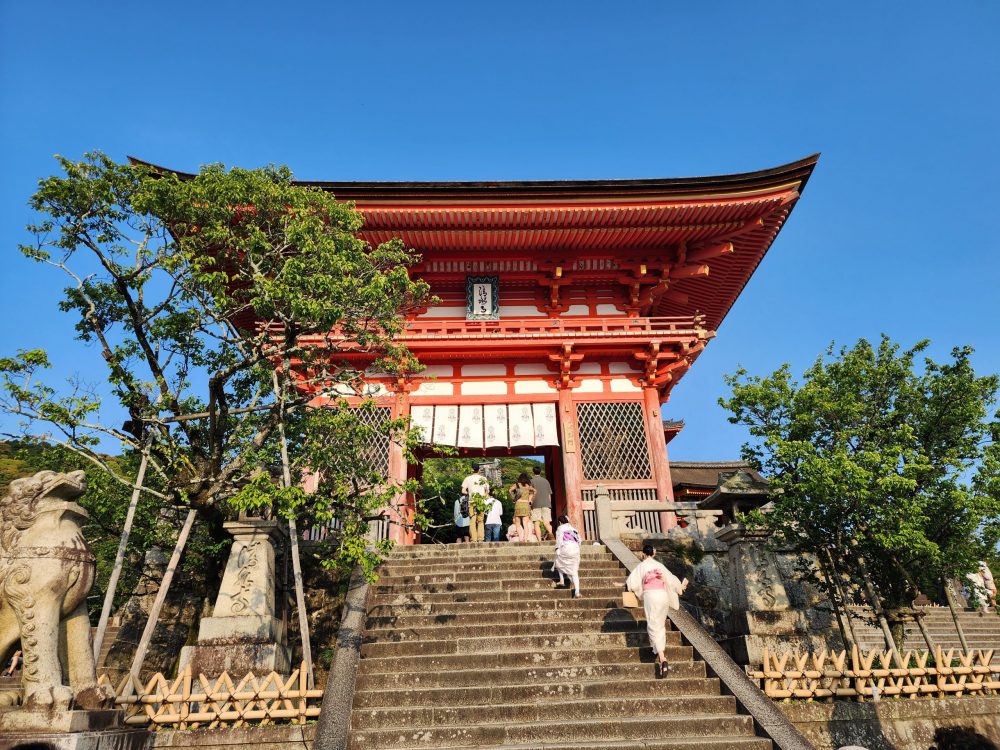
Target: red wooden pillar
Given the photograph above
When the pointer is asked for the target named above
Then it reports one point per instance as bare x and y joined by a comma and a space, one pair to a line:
658, 449
572, 465
401, 515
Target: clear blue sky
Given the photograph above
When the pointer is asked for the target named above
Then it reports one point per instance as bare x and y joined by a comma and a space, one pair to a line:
896, 232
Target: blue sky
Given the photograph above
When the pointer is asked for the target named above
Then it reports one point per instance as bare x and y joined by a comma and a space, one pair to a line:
895, 233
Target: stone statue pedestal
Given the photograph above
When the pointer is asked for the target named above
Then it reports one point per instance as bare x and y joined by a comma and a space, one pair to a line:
243, 635
62, 729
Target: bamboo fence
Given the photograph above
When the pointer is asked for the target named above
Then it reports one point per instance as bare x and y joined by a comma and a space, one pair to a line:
201, 702
861, 676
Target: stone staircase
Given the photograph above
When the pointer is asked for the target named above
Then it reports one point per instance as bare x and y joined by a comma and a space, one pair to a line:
470, 646
982, 630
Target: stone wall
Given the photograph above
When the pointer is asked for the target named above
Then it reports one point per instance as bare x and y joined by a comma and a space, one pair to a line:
892, 724
291, 737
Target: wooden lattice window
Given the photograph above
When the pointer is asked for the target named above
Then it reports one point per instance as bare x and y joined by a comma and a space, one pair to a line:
377, 451
613, 441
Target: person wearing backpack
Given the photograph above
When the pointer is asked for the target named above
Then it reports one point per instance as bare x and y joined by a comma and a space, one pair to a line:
658, 589
462, 519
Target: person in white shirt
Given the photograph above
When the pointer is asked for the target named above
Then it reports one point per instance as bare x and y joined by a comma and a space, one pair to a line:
461, 521
658, 589
567, 560
476, 486
494, 518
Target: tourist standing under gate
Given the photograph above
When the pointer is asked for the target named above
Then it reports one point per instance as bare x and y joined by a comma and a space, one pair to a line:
462, 512
477, 487
522, 493
494, 519
541, 506
658, 589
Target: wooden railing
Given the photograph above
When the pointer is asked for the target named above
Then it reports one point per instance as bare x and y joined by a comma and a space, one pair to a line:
861, 676
201, 702
435, 328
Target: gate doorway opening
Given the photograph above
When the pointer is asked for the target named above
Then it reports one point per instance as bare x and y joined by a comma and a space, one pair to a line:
440, 479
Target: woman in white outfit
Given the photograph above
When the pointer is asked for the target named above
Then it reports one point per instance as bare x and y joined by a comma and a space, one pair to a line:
567, 560
658, 589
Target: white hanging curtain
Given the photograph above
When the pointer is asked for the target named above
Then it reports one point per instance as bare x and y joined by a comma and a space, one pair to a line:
488, 426
522, 425
495, 423
423, 417
446, 425
470, 426
545, 424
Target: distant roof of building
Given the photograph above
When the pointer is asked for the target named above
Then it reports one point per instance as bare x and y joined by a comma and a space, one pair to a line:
706, 473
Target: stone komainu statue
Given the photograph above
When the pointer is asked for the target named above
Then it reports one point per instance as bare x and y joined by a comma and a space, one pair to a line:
46, 571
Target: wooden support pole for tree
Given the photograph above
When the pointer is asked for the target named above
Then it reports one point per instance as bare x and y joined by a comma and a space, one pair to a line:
293, 538
839, 599
954, 614
116, 571
876, 604
161, 595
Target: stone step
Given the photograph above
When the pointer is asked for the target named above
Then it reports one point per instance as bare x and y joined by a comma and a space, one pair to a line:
448, 631
501, 595
502, 552
497, 695
481, 714
476, 585
599, 616
676, 743
492, 571
448, 605
468, 676
624, 729
562, 657
424, 549
489, 643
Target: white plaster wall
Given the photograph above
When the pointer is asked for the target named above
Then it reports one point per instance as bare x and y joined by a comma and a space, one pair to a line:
471, 371
620, 367
533, 386
444, 312
578, 310
608, 310
520, 311
589, 368
435, 389
590, 385
531, 369
624, 385
484, 388
437, 371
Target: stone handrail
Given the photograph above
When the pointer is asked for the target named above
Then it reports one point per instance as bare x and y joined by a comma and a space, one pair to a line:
861, 676
768, 717
333, 727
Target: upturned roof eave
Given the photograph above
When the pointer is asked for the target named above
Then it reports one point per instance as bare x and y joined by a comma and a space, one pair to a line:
677, 188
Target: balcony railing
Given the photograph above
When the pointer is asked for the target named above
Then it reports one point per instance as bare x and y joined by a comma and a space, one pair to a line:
430, 329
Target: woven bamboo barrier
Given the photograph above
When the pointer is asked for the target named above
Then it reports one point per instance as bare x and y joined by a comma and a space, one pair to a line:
860, 676
201, 702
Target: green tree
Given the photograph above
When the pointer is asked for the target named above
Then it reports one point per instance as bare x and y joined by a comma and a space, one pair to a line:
886, 473
222, 305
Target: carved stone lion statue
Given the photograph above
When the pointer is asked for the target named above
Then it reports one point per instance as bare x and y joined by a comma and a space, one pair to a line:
46, 571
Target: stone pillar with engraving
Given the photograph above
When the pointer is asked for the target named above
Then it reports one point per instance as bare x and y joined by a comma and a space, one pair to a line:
762, 614
243, 634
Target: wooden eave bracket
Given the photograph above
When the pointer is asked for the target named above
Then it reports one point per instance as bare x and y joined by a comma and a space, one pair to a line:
567, 360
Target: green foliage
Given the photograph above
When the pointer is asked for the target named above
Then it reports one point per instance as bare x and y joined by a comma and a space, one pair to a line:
887, 473
230, 296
